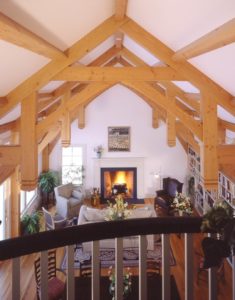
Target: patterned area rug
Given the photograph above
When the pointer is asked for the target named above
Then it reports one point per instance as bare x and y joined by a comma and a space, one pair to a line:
107, 256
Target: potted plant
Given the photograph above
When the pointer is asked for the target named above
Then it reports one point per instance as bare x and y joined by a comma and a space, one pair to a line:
218, 220
47, 182
31, 223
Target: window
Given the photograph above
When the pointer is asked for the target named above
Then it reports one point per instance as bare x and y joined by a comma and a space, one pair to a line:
72, 165
4, 209
26, 198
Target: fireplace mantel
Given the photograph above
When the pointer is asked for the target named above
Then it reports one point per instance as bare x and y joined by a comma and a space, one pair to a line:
118, 162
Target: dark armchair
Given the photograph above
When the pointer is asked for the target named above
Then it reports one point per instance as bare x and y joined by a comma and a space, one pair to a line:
165, 196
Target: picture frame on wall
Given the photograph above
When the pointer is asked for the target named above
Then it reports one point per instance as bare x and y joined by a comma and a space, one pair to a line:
119, 139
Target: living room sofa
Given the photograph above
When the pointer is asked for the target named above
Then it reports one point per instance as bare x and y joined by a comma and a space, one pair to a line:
91, 215
68, 200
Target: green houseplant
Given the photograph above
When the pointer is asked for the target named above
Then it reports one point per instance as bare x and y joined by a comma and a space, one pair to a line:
47, 181
31, 223
219, 219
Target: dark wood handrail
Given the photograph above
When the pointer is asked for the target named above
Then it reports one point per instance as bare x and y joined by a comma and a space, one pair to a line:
46, 240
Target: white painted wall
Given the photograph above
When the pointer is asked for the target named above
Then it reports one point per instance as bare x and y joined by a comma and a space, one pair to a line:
120, 107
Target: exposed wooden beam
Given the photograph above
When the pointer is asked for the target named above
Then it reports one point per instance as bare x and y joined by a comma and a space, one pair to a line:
28, 140
155, 118
162, 52
10, 155
81, 116
117, 74
220, 37
208, 153
119, 39
120, 9
5, 172
168, 85
13, 125
149, 91
53, 143
171, 130
90, 91
226, 154
66, 127
78, 50
227, 125
50, 136
187, 136
3, 101
15, 33
45, 159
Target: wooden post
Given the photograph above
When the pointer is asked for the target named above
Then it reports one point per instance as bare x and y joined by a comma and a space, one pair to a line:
29, 153
66, 127
171, 131
81, 117
15, 194
155, 118
208, 149
45, 159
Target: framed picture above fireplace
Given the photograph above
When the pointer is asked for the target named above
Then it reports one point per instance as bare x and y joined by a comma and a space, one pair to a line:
119, 139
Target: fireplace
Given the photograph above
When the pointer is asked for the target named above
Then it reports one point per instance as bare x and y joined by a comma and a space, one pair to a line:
115, 181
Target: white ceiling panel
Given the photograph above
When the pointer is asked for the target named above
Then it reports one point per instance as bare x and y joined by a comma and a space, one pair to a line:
17, 64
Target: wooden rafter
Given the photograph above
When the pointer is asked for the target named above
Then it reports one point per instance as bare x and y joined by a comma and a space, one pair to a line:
50, 136
120, 9
117, 74
90, 91
220, 37
10, 155
168, 85
162, 52
15, 33
145, 89
78, 50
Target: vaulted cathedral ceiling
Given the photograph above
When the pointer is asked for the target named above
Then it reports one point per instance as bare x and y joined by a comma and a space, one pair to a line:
57, 56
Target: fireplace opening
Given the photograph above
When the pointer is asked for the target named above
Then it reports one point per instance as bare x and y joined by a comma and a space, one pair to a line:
115, 181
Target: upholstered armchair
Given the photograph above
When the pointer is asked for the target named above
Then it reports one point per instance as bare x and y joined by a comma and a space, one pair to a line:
68, 200
165, 196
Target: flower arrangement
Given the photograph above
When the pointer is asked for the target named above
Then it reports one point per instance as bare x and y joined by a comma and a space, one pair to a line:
126, 282
182, 203
117, 211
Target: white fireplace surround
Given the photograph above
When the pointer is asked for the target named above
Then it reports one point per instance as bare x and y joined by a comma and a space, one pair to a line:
121, 162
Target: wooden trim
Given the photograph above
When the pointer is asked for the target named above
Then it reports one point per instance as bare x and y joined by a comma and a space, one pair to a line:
160, 50
88, 74
15, 33
77, 51
171, 130
217, 38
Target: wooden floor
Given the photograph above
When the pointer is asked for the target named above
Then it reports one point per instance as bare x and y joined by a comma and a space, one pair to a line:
28, 287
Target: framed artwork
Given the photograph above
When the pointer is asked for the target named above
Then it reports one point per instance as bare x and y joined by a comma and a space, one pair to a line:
119, 139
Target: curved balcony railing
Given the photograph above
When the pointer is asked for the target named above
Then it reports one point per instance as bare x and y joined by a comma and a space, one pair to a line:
67, 237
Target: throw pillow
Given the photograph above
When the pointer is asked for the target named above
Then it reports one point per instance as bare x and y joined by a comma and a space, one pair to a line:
94, 214
65, 191
77, 194
172, 188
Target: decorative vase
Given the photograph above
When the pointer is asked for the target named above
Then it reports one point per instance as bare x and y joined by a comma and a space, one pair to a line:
98, 154
181, 213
